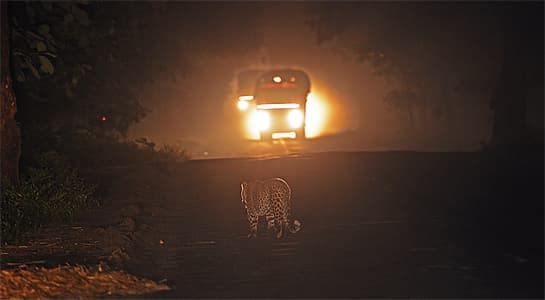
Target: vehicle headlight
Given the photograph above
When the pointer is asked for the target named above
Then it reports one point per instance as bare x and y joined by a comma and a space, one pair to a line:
242, 105
260, 120
295, 118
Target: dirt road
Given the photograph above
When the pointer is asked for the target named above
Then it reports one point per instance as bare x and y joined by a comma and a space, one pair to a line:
388, 224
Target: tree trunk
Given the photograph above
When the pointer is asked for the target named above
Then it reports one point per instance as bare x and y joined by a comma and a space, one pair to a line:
10, 135
509, 103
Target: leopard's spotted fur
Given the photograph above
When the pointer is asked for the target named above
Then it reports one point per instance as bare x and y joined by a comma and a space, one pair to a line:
270, 198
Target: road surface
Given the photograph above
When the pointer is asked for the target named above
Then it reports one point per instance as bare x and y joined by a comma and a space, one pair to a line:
375, 225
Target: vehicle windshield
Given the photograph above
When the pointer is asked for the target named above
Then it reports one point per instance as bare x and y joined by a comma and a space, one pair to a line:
282, 86
279, 95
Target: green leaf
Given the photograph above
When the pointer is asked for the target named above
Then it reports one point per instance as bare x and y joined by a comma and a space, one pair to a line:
43, 29
33, 69
40, 46
18, 66
46, 65
33, 35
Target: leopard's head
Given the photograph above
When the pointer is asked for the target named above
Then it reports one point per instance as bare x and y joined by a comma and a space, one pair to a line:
244, 192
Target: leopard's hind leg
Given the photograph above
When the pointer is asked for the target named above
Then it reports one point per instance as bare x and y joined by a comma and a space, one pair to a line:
279, 219
270, 221
282, 222
252, 222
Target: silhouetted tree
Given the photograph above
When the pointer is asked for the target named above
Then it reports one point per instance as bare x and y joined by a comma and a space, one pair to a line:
82, 66
10, 143
522, 67
406, 43
431, 48
403, 100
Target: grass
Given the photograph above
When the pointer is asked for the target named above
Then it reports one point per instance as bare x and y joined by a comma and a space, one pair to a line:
52, 188
72, 282
49, 191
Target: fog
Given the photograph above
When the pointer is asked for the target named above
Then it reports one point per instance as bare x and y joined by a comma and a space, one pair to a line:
198, 112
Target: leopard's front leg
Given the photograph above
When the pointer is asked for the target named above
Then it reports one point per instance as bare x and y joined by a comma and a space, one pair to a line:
252, 222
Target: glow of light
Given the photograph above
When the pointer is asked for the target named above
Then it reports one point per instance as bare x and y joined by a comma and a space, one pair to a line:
277, 79
295, 118
103, 118
278, 105
242, 105
259, 121
246, 98
283, 135
315, 115
292, 79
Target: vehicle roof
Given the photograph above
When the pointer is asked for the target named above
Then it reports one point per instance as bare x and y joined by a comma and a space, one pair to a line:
302, 76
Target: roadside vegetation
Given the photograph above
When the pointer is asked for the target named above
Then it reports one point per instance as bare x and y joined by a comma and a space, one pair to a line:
49, 191
84, 282
91, 152
58, 183
68, 97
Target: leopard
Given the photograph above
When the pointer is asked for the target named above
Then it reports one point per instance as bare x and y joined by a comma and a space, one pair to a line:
270, 198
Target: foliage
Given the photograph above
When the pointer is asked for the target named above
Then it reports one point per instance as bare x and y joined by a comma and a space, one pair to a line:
166, 151
100, 153
49, 191
49, 106
426, 48
404, 101
174, 153
75, 281
84, 65
80, 69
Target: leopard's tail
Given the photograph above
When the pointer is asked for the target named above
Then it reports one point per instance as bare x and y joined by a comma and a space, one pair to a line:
295, 226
